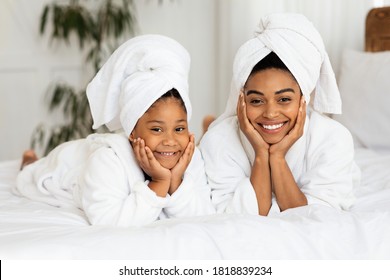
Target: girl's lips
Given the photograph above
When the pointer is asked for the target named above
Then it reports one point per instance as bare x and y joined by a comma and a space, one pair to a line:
165, 154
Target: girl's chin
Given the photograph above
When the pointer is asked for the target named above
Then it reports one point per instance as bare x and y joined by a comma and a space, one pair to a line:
168, 165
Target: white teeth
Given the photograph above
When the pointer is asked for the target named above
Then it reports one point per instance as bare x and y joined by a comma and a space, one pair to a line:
167, 154
272, 127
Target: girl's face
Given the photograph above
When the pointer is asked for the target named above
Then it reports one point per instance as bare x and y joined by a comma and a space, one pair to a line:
272, 99
164, 129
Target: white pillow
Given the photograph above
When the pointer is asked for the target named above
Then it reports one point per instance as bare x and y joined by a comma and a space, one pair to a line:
364, 85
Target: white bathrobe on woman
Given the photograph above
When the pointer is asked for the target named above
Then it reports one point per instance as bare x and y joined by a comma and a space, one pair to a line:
321, 161
100, 174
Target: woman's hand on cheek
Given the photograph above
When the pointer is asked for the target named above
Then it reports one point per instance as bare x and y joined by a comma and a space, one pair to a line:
148, 162
178, 170
281, 148
254, 137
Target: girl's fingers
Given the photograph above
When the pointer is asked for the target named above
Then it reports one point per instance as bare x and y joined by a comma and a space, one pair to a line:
191, 145
149, 154
142, 152
189, 151
136, 149
192, 138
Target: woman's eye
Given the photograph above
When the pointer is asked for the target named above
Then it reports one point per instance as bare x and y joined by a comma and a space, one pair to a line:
256, 101
285, 99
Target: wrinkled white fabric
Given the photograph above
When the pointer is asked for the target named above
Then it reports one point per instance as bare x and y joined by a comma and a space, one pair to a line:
138, 73
100, 175
321, 161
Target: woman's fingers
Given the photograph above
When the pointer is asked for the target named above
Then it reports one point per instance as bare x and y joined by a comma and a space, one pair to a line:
300, 123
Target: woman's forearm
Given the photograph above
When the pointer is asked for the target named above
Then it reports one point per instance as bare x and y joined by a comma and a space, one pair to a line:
287, 193
261, 182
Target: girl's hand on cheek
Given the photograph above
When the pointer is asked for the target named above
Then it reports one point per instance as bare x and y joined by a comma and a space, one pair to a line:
148, 162
181, 166
254, 137
281, 148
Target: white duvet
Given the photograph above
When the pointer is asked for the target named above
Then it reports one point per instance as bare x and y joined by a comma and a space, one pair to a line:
33, 230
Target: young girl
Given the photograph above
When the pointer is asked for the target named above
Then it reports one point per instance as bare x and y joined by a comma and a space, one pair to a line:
153, 170
279, 153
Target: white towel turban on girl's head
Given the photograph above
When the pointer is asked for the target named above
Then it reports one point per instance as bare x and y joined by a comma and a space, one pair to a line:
138, 73
299, 45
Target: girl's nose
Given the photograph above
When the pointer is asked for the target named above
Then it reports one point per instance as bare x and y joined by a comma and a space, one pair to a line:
169, 139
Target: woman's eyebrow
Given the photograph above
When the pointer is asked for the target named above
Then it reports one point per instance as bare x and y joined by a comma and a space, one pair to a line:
249, 92
285, 90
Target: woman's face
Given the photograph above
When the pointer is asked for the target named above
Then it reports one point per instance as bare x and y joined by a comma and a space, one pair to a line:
164, 129
272, 99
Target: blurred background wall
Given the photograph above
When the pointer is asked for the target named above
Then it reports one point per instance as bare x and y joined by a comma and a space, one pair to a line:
211, 30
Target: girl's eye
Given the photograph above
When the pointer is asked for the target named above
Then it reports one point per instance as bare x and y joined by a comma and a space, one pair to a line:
180, 129
156, 129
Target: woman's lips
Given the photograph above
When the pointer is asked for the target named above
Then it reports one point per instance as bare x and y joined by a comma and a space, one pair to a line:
272, 128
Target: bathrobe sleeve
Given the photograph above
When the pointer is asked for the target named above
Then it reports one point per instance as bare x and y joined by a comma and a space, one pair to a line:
193, 197
107, 198
331, 173
228, 169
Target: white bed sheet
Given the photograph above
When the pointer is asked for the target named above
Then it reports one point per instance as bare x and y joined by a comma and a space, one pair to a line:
32, 230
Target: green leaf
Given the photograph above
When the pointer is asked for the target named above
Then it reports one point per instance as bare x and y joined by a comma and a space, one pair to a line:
44, 19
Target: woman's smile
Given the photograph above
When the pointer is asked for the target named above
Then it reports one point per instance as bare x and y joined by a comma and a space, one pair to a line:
272, 127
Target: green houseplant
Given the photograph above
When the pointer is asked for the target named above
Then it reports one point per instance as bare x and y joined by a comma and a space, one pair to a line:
95, 27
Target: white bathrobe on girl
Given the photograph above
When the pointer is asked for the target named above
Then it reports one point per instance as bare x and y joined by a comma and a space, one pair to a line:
100, 174
321, 161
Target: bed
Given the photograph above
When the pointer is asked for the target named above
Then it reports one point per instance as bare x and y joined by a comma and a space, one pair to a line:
32, 230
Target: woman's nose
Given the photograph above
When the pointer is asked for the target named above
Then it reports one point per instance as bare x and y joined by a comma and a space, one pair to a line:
271, 111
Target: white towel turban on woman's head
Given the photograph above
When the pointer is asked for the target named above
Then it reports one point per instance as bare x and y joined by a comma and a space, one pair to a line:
299, 45
138, 73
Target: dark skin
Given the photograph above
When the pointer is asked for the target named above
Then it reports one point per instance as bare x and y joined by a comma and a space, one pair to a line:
163, 146
271, 113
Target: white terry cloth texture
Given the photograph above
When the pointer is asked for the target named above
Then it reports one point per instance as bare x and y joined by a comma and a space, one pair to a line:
323, 168
100, 176
138, 73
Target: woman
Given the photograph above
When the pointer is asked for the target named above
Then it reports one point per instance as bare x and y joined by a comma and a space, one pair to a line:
277, 153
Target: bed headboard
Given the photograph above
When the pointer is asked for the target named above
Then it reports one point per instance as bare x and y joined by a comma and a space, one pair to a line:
378, 30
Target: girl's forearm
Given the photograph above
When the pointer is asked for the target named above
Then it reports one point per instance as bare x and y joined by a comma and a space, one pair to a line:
160, 187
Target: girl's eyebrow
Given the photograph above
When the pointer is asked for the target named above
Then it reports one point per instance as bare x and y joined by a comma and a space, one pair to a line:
162, 122
156, 121
249, 92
